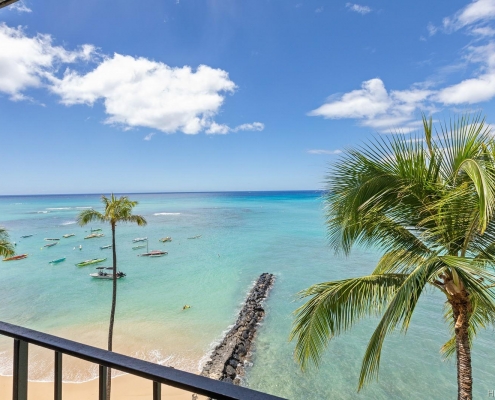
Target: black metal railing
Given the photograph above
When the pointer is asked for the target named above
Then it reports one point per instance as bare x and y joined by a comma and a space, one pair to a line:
158, 374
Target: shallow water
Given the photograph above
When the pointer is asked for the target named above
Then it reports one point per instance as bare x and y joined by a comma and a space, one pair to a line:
242, 235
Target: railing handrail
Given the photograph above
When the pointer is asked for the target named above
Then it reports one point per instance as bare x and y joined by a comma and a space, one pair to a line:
155, 372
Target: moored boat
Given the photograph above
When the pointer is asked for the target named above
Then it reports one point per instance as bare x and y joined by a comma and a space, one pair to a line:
13, 258
51, 239
69, 235
25, 236
96, 230
101, 274
94, 235
153, 253
165, 239
195, 237
106, 247
50, 244
139, 247
90, 262
139, 240
58, 260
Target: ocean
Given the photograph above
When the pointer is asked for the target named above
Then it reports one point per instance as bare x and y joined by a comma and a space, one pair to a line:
243, 234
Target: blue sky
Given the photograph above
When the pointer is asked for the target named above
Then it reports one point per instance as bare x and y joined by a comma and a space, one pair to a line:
192, 95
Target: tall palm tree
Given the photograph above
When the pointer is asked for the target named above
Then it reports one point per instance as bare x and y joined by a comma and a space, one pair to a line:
6, 247
117, 210
427, 201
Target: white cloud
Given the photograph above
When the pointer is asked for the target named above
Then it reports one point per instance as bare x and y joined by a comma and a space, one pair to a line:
479, 88
20, 6
149, 136
363, 10
319, 10
373, 106
478, 11
141, 92
224, 129
27, 62
324, 151
432, 29
485, 31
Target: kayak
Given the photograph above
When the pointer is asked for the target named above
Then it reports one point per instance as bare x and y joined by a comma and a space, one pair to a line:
18, 257
90, 262
57, 261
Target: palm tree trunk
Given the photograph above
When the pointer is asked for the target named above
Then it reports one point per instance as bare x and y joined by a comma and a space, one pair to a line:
461, 308
112, 312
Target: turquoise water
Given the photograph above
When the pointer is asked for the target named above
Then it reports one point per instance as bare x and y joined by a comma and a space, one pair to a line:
243, 235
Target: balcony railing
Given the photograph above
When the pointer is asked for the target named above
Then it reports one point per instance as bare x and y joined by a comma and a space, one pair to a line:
157, 374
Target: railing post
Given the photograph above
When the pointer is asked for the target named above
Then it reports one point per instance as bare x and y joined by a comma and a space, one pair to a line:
157, 391
102, 384
58, 376
20, 381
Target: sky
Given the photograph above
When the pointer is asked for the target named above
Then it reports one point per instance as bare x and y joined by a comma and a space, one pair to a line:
225, 95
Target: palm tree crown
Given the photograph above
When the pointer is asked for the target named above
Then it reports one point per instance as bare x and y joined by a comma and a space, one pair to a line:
6, 247
427, 201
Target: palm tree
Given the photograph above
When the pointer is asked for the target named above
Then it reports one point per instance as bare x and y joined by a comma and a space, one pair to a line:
427, 202
117, 210
6, 247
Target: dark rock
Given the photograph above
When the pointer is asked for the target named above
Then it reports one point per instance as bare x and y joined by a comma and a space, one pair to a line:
233, 362
230, 371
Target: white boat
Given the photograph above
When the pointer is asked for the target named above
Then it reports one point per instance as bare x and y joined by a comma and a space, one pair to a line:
69, 235
106, 247
101, 274
139, 240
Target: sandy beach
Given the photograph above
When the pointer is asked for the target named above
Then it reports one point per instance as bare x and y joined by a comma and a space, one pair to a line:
125, 387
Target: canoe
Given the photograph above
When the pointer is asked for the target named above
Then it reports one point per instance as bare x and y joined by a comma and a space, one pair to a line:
165, 239
153, 253
69, 235
139, 247
25, 236
18, 257
50, 244
90, 262
94, 235
57, 260
139, 240
51, 239
106, 247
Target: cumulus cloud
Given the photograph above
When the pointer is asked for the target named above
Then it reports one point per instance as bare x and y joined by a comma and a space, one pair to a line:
28, 62
375, 107
331, 152
134, 91
363, 10
20, 6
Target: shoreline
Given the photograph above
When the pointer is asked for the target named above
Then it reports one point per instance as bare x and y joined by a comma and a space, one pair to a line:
125, 387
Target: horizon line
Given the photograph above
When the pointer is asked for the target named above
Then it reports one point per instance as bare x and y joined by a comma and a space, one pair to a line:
172, 192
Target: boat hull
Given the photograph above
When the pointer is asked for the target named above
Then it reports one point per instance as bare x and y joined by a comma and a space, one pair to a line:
14, 258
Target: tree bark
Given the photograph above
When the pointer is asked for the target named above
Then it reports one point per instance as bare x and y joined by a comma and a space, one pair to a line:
112, 312
461, 307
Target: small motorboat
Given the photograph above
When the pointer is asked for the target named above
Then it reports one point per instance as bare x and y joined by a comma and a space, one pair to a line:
58, 260
13, 258
139, 240
50, 244
90, 262
153, 253
101, 274
139, 247
69, 235
106, 247
25, 236
165, 239
195, 237
51, 239
94, 235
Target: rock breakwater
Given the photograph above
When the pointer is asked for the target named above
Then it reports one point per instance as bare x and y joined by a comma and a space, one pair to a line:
227, 362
